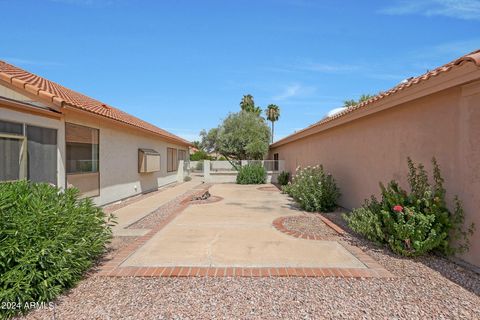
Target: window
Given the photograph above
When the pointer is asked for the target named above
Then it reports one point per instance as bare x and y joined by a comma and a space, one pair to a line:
82, 153
182, 155
275, 164
11, 163
28, 152
42, 154
172, 162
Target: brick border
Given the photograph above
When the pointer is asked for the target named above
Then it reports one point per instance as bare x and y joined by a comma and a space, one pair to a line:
220, 272
112, 267
279, 225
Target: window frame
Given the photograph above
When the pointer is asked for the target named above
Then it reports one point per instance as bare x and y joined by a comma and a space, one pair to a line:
84, 173
174, 163
23, 163
23, 170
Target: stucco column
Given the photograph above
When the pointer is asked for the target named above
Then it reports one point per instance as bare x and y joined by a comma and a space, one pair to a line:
180, 171
206, 170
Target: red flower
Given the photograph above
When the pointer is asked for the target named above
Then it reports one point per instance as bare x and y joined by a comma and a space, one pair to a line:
398, 208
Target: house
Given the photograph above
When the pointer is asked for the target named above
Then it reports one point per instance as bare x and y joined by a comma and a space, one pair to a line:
49, 133
435, 114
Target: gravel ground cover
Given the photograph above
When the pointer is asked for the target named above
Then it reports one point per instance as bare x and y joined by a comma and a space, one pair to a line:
264, 298
115, 245
310, 225
123, 203
160, 214
422, 290
210, 199
433, 267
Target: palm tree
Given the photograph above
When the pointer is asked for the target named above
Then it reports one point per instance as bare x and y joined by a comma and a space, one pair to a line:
273, 113
353, 102
248, 104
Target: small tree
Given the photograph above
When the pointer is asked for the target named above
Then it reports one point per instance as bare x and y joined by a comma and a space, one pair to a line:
243, 135
209, 140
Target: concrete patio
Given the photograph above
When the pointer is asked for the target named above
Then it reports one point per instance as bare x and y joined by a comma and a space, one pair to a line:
234, 233
238, 232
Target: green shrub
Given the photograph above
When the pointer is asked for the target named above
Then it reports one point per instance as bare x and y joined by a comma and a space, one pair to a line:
200, 155
313, 189
48, 239
413, 223
187, 178
283, 178
199, 165
252, 174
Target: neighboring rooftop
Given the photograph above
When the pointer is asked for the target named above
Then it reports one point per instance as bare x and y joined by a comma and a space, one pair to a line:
473, 57
61, 96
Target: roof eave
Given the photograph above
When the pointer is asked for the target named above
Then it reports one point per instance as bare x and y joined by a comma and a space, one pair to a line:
461, 73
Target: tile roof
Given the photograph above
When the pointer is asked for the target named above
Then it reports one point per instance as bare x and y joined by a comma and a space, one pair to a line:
471, 57
60, 96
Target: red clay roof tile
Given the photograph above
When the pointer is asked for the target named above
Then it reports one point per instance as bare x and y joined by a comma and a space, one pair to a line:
60, 96
471, 57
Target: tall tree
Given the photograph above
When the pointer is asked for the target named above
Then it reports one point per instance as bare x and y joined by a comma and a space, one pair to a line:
242, 136
353, 102
273, 113
248, 104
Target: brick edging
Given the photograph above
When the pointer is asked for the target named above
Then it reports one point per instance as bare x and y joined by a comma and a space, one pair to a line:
188, 271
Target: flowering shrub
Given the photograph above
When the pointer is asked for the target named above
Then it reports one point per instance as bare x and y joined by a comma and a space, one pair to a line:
413, 223
313, 189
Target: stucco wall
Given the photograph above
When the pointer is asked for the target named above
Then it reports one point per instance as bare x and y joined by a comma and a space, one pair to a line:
374, 148
119, 177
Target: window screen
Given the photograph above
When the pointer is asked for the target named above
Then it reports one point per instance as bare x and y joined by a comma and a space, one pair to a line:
10, 151
172, 162
11, 127
82, 159
82, 148
42, 154
182, 155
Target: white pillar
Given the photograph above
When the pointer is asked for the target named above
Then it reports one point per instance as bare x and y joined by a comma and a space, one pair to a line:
206, 170
180, 171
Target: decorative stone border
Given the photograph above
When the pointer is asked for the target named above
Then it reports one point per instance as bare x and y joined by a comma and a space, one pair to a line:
210, 199
112, 267
278, 224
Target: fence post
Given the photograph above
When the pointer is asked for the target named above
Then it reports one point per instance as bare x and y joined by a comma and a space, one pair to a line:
206, 170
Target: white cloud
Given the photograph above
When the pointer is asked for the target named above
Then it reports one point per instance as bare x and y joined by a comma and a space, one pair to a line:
294, 90
460, 9
335, 111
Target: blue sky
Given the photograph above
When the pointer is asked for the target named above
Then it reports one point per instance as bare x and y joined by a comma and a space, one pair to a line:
184, 65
